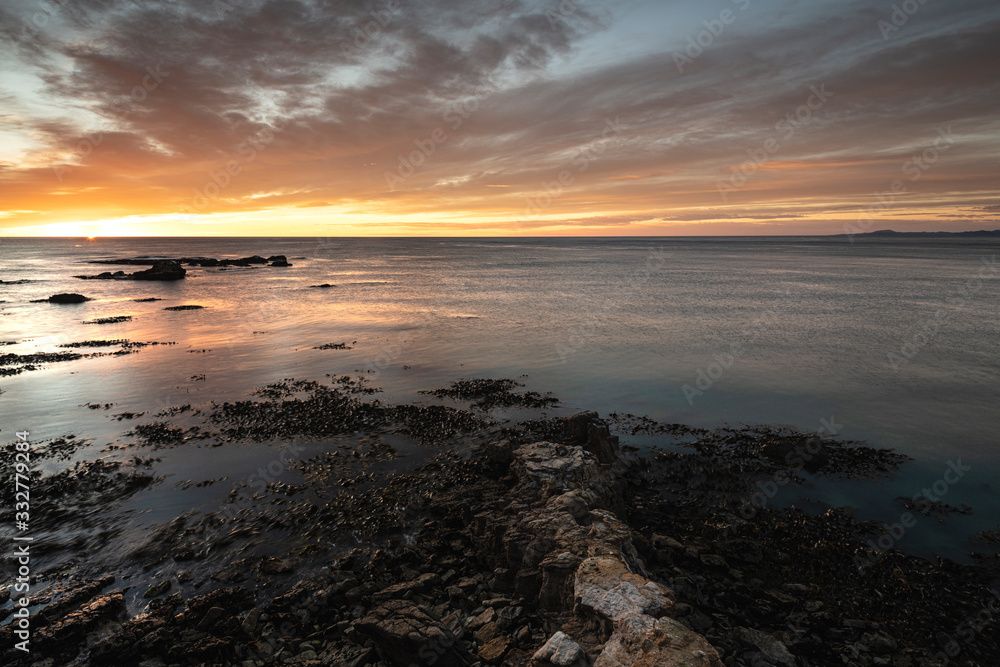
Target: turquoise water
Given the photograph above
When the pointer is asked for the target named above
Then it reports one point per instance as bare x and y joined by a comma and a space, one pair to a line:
780, 331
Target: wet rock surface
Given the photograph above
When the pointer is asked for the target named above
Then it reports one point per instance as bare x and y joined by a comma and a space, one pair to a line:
545, 542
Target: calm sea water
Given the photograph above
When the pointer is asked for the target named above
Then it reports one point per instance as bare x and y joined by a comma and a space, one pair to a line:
699, 331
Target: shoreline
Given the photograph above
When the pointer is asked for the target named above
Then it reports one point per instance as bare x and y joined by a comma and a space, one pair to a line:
486, 527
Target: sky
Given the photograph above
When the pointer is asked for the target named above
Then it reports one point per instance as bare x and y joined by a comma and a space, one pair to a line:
498, 118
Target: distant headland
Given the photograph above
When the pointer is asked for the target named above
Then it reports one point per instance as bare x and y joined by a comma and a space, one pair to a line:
982, 233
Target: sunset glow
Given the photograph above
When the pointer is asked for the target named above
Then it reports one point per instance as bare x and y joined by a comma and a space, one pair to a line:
538, 118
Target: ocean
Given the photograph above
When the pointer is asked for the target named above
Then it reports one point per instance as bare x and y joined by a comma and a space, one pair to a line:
890, 341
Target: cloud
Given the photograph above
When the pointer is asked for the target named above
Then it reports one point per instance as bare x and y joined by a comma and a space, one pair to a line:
154, 107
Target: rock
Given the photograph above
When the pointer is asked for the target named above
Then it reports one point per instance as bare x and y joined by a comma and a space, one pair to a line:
402, 630
232, 599
278, 260
607, 590
772, 649
211, 618
587, 430
250, 622
272, 566
400, 590
165, 270
65, 298
509, 618
557, 571
575, 503
493, 652
323, 286
555, 468
157, 589
560, 651
644, 641
482, 619
714, 561
107, 275
487, 633
71, 599
880, 644
76, 626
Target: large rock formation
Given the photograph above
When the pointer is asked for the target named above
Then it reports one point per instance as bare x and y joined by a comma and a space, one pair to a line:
527, 564
166, 270
574, 556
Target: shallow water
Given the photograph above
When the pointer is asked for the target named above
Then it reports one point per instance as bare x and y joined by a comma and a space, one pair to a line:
780, 331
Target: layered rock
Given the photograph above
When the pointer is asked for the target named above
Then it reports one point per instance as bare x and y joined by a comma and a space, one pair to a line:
573, 556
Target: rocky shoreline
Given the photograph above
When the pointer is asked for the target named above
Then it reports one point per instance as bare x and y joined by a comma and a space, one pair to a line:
164, 269
549, 544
